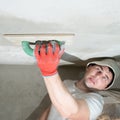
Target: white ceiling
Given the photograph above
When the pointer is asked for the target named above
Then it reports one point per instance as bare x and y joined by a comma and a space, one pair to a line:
63, 10
94, 23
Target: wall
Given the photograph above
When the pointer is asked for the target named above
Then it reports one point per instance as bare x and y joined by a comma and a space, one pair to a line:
22, 89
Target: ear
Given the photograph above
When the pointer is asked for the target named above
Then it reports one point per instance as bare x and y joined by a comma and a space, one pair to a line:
88, 67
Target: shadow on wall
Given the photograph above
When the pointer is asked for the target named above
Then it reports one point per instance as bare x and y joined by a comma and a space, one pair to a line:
71, 72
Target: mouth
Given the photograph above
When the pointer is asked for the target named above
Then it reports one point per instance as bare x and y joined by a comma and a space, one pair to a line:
91, 80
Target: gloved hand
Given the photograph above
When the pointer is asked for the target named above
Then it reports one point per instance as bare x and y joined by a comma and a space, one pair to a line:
48, 54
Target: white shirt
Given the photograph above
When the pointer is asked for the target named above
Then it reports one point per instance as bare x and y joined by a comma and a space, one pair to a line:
94, 100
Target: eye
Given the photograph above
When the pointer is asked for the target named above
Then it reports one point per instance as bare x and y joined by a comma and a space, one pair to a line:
98, 68
105, 78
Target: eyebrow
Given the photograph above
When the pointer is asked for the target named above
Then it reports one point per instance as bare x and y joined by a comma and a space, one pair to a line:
105, 74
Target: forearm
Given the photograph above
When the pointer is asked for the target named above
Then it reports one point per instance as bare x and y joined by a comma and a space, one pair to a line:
48, 55
59, 95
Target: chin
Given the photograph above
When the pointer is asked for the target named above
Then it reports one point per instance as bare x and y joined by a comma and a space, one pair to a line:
99, 89
96, 89
90, 87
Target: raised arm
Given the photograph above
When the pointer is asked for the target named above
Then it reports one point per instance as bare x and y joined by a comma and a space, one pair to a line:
68, 106
64, 102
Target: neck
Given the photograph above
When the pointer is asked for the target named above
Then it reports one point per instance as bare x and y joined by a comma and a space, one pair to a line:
81, 85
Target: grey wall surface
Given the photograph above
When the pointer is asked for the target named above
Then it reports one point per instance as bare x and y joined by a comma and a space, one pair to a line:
22, 89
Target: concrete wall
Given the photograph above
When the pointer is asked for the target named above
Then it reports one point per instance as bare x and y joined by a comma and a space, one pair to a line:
22, 90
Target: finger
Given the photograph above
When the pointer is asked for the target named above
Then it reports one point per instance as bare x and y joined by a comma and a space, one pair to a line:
61, 52
62, 49
46, 48
53, 43
43, 50
50, 49
38, 42
36, 51
57, 50
40, 45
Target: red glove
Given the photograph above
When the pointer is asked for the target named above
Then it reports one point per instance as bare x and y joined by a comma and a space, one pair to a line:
48, 58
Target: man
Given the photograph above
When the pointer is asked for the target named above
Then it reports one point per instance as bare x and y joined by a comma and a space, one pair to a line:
74, 100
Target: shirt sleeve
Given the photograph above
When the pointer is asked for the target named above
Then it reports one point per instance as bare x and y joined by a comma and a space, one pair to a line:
95, 103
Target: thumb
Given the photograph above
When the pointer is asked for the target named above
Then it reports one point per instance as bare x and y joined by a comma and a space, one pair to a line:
62, 50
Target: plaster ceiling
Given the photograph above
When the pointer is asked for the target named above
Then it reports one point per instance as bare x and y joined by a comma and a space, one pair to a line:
90, 28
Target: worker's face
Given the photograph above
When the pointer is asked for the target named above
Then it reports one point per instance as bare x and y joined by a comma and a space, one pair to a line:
98, 77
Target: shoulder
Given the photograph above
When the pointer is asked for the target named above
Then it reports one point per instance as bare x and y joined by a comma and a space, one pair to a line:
95, 104
70, 85
69, 82
95, 96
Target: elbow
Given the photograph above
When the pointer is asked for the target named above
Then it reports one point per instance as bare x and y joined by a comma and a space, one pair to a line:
69, 114
78, 112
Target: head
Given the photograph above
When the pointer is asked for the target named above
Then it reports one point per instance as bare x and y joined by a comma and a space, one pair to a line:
100, 75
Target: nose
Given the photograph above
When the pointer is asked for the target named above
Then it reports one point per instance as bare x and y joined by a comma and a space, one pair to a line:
99, 76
